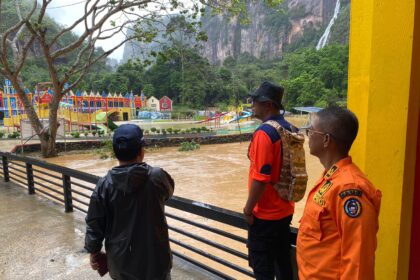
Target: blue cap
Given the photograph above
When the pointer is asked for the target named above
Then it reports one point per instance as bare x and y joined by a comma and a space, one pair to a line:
128, 136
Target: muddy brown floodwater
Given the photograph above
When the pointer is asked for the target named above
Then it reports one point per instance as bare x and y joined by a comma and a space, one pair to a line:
214, 174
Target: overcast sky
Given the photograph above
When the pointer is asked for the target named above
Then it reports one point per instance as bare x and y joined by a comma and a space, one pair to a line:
67, 11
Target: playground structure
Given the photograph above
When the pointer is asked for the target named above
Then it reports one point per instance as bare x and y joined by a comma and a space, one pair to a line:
240, 113
80, 110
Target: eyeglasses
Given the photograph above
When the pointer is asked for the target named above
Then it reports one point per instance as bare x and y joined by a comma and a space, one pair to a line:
310, 132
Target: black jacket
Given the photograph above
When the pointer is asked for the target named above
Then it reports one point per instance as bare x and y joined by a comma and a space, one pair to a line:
127, 210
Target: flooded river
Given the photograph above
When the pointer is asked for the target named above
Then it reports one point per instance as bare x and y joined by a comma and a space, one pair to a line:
214, 174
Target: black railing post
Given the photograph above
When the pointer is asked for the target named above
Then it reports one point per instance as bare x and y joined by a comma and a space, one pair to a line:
68, 201
5, 169
30, 177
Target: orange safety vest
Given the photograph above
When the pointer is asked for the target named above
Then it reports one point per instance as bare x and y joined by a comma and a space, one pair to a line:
337, 234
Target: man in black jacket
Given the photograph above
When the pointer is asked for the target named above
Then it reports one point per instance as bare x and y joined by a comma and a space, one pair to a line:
127, 210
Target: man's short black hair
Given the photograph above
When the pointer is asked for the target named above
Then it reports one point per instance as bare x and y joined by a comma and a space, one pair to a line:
127, 142
125, 154
341, 124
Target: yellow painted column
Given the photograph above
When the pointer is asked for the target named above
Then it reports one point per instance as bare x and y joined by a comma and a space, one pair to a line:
384, 83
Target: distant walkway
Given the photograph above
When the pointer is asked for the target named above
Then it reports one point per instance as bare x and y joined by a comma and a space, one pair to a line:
39, 241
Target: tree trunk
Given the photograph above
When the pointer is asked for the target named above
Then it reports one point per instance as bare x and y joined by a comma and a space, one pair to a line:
48, 148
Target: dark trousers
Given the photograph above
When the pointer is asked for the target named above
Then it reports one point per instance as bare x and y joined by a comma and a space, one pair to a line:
269, 249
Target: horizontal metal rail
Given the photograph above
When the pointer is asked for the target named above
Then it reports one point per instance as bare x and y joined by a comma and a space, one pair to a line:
17, 175
52, 167
80, 201
47, 174
80, 193
212, 257
15, 163
18, 170
203, 266
208, 211
208, 228
48, 181
70, 181
48, 188
20, 182
48, 194
209, 242
82, 186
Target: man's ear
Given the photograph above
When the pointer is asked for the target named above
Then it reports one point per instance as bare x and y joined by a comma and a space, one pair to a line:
327, 140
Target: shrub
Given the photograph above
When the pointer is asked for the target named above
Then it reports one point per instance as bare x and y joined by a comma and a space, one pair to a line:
1, 134
188, 146
153, 129
86, 133
169, 130
94, 132
76, 135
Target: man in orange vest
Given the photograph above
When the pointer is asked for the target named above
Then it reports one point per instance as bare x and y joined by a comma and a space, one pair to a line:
267, 214
337, 233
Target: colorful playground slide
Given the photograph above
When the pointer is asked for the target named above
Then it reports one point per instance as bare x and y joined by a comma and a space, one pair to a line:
243, 115
216, 116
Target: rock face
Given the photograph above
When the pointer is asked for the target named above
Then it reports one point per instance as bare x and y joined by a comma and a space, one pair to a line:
266, 36
268, 32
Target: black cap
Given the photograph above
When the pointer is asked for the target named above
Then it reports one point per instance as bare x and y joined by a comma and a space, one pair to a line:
268, 92
128, 136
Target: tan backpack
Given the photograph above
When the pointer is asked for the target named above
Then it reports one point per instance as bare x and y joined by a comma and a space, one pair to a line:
293, 176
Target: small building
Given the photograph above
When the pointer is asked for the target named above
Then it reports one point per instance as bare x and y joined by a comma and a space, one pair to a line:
152, 104
165, 104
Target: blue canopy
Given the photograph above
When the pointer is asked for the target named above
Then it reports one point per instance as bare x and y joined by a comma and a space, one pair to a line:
307, 109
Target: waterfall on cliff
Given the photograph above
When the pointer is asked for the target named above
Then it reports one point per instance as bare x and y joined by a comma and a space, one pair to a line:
324, 38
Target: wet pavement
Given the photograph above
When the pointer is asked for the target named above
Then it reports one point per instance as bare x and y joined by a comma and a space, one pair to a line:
39, 241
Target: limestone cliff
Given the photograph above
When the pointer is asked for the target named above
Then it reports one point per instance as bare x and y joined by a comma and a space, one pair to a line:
268, 32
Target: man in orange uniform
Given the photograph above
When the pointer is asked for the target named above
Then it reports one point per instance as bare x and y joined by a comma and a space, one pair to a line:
267, 214
337, 234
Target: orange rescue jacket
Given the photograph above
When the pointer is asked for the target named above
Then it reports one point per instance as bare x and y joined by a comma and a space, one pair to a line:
337, 234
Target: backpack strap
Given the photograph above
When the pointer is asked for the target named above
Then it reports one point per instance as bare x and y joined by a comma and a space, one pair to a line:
276, 126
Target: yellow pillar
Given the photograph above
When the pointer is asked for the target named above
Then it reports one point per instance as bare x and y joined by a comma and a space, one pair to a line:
384, 83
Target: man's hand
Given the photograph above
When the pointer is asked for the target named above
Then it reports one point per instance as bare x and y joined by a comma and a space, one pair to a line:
98, 262
249, 217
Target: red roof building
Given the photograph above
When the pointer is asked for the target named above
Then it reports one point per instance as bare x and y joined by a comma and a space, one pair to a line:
165, 104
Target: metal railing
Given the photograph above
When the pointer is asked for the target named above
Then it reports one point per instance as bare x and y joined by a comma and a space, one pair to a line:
221, 252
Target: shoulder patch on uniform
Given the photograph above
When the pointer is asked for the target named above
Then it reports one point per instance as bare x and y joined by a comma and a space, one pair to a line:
331, 171
353, 207
318, 199
325, 187
350, 192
